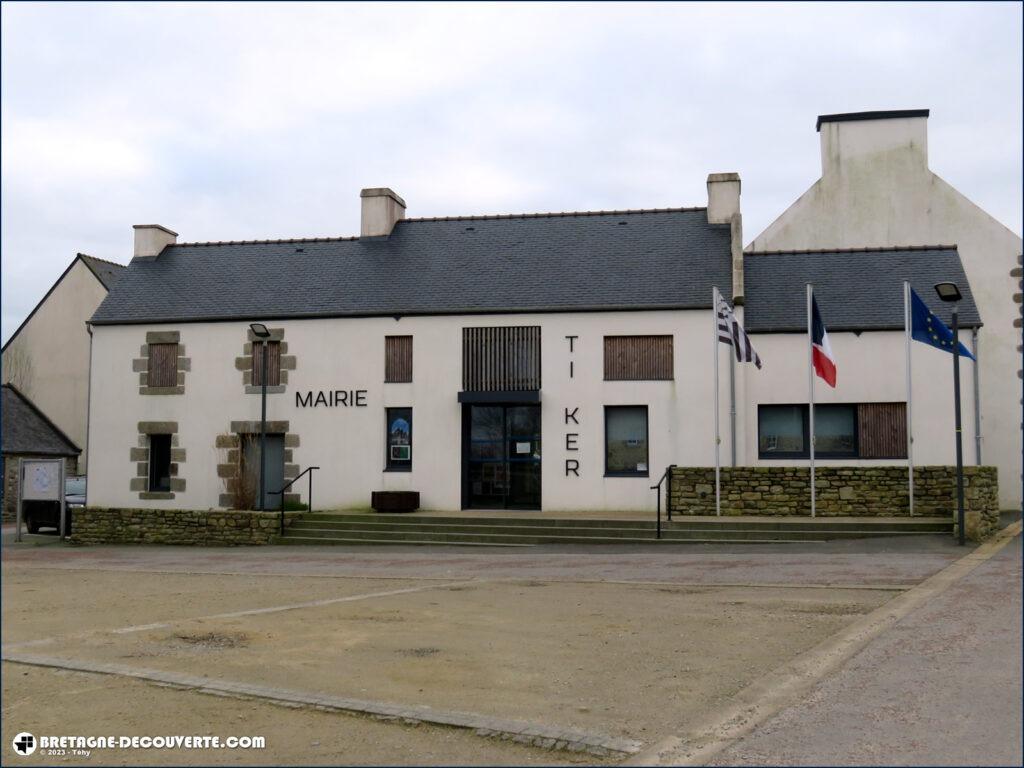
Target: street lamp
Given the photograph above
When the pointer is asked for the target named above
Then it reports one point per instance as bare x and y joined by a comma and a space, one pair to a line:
951, 293
259, 330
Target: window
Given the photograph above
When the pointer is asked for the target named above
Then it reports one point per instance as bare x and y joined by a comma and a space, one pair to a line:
399, 440
625, 440
160, 463
835, 427
848, 431
781, 431
163, 365
272, 349
638, 358
397, 359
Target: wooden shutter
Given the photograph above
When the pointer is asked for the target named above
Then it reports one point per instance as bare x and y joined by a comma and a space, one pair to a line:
273, 349
882, 430
504, 358
397, 359
163, 365
637, 358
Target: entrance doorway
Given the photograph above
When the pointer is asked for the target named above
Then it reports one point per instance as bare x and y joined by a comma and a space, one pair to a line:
250, 476
501, 456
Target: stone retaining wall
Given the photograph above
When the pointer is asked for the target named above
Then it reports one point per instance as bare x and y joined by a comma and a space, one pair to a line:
215, 528
841, 491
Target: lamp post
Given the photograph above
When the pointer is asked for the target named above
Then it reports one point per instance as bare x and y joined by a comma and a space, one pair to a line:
951, 293
259, 330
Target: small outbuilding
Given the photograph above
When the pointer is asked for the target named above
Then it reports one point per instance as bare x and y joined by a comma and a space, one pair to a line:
28, 434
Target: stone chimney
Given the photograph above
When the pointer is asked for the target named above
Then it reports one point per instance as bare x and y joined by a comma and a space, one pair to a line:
893, 142
150, 239
724, 208
382, 209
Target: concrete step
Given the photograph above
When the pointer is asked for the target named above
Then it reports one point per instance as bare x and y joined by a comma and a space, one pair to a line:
410, 522
321, 542
450, 535
574, 540
384, 529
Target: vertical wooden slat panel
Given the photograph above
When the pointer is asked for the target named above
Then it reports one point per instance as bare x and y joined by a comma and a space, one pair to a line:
273, 350
273, 363
638, 358
882, 430
163, 365
501, 358
397, 359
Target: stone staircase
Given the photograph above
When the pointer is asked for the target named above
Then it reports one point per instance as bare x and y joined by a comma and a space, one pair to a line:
323, 528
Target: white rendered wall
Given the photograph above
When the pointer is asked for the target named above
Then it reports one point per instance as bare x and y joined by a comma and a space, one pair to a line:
48, 359
348, 443
876, 190
871, 368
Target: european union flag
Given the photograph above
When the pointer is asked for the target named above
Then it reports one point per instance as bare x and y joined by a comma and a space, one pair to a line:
927, 328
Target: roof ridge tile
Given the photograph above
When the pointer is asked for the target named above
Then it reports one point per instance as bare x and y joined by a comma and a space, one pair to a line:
866, 249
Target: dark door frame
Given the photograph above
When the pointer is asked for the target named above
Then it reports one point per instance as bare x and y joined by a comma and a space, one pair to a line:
467, 422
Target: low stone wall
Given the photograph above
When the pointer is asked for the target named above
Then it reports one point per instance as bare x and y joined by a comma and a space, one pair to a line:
841, 491
214, 528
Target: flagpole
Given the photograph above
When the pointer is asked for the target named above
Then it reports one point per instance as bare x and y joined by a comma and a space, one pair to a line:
810, 385
718, 441
910, 435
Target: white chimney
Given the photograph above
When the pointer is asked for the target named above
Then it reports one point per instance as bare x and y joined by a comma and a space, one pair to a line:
150, 239
723, 197
382, 209
724, 208
894, 142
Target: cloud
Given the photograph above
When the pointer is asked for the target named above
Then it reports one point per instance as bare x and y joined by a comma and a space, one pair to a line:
230, 121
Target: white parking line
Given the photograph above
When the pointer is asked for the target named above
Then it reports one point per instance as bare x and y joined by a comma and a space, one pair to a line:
295, 606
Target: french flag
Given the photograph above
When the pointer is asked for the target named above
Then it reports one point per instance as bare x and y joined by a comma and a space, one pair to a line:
821, 350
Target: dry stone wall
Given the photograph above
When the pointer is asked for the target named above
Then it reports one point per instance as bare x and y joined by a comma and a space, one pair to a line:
215, 528
841, 492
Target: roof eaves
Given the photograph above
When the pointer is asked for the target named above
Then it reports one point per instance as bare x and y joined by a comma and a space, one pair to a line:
414, 313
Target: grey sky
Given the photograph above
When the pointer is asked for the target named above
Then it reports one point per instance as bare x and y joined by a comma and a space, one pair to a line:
230, 121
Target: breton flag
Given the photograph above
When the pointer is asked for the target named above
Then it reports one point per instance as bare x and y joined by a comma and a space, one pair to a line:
731, 332
727, 330
821, 350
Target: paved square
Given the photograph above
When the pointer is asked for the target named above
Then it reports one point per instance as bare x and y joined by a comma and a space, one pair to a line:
427, 655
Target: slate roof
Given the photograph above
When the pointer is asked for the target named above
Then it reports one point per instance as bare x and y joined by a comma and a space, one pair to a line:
651, 259
106, 272
26, 430
856, 289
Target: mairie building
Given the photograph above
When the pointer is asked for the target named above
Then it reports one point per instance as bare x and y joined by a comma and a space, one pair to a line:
548, 361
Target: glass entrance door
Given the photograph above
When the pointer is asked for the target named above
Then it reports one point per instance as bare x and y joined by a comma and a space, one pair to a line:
503, 457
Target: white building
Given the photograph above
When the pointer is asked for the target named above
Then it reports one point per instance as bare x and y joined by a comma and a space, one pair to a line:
539, 361
876, 189
47, 358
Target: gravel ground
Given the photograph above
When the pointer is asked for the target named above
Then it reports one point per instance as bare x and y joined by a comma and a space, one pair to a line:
626, 641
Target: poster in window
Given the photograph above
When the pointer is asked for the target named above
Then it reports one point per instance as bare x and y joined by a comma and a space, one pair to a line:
399, 438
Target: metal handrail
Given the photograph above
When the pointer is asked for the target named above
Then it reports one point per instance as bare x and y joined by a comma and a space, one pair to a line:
668, 497
309, 496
